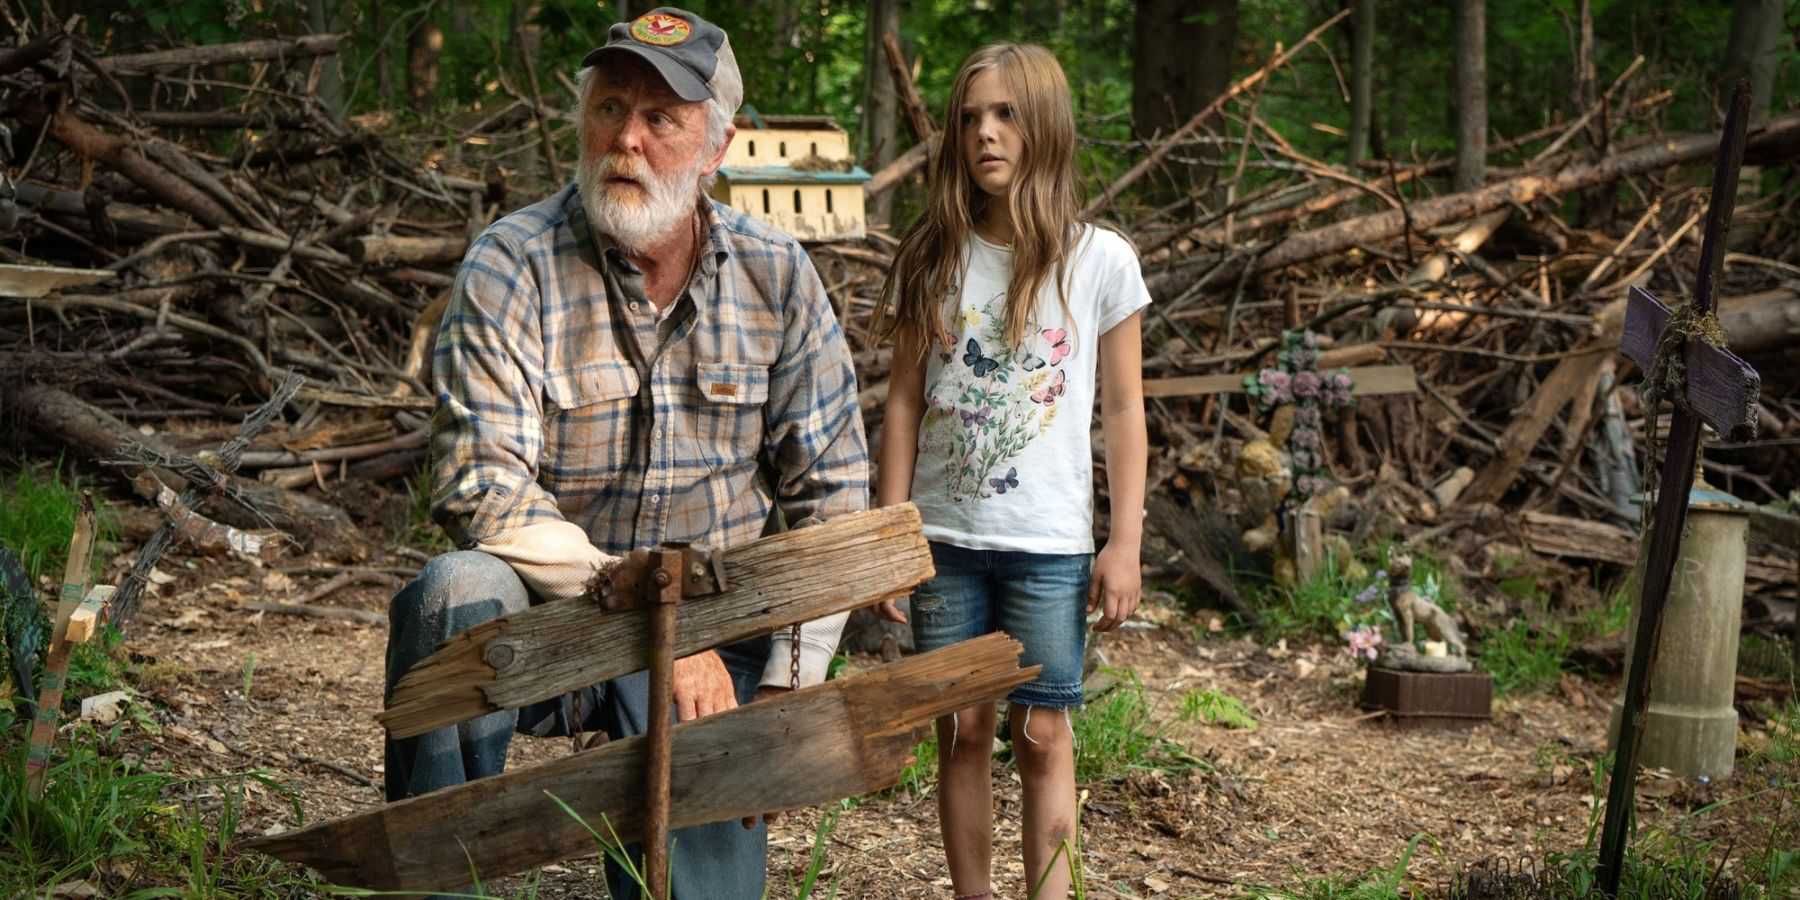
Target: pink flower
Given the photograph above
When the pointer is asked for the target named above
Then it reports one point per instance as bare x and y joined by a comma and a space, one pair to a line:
1306, 384
1362, 642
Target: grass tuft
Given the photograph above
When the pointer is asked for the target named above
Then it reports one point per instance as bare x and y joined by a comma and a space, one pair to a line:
1116, 735
1216, 708
132, 832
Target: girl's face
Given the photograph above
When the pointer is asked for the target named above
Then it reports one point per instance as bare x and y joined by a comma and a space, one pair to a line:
992, 146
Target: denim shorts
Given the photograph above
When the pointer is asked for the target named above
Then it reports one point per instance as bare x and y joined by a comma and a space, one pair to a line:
1040, 599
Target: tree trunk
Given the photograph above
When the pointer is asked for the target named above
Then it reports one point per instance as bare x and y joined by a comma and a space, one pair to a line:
1750, 52
1756, 29
1471, 94
384, 79
331, 79
1362, 79
1182, 60
880, 135
423, 48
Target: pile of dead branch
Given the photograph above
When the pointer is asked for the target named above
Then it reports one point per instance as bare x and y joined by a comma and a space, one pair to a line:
175, 256
232, 243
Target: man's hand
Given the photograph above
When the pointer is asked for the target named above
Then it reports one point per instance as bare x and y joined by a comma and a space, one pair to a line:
1115, 586
702, 687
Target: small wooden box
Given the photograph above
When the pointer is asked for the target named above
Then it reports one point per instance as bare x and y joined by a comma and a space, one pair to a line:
1430, 699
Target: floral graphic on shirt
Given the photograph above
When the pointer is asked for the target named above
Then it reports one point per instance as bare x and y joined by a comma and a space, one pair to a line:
990, 400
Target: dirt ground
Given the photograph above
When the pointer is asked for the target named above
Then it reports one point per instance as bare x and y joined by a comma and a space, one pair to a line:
1317, 789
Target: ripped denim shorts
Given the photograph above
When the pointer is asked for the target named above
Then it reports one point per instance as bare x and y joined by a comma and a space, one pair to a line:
1040, 599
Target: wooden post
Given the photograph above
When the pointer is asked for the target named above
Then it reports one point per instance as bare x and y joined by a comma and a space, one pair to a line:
662, 597
1721, 390
56, 665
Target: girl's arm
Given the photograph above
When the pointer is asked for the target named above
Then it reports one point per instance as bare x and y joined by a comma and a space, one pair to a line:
899, 448
1117, 581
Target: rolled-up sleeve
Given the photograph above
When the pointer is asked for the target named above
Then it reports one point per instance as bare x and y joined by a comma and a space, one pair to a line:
487, 432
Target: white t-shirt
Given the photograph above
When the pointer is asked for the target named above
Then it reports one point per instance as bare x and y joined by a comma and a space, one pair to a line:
1005, 461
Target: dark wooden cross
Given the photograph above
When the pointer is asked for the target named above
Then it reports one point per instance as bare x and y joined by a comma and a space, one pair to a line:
1713, 386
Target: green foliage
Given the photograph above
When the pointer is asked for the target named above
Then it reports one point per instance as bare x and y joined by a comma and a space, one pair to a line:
1117, 734
1530, 653
103, 814
615, 850
419, 530
1784, 733
1216, 708
1342, 597
1761, 656
97, 666
37, 520
1523, 658
921, 768
1377, 884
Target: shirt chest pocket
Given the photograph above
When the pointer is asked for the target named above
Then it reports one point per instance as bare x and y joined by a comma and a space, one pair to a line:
728, 429
587, 425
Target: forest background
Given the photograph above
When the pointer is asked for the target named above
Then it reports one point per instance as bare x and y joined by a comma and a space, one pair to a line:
1137, 69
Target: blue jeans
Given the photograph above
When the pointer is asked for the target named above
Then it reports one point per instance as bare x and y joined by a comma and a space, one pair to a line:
1040, 599
457, 591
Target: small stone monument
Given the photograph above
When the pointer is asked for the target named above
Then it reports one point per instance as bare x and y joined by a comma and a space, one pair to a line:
1690, 725
1436, 686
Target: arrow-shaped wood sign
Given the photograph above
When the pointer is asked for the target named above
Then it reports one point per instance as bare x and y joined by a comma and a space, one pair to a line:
846, 563
816, 745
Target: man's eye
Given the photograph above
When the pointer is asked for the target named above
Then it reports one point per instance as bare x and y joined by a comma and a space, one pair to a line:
661, 120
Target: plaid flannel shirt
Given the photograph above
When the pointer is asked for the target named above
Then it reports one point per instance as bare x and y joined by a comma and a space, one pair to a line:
560, 398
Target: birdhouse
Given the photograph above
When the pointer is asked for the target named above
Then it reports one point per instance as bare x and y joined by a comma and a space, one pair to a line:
795, 173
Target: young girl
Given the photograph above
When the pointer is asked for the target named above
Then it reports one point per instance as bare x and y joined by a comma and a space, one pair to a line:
1001, 303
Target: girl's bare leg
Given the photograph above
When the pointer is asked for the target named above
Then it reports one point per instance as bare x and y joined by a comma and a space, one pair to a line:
1044, 746
966, 796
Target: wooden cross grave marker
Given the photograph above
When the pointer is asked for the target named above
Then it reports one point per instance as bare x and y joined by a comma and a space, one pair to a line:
845, 737
80, 608
1305, 445
1685, 360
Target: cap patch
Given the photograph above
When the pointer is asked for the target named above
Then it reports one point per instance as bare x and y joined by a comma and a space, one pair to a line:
661, 29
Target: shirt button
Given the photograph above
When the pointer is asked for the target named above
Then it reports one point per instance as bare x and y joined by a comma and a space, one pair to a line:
632, 306
655, 499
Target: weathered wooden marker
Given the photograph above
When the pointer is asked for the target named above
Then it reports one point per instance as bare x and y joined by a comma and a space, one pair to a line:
819, 744
1685, 360
80, 608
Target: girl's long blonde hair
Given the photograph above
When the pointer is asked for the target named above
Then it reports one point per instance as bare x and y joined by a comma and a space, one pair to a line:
1042, 199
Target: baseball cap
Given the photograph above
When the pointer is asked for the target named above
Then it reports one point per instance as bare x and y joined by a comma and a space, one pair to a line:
692, 55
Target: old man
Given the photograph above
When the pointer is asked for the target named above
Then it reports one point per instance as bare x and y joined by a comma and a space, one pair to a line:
624, 364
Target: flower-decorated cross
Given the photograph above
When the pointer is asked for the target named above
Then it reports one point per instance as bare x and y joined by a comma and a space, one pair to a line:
1295, 380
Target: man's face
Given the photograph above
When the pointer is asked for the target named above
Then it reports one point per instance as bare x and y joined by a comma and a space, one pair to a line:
643, 152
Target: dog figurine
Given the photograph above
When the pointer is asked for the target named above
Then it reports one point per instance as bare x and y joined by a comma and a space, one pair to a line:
1410, 607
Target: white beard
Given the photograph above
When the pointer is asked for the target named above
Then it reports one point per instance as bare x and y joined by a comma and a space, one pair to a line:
624, 213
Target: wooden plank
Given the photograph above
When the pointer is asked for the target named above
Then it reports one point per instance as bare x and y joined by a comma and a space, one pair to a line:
1365, 381
85, 621
1553, 393
1722, 388
37, 281
817, 745
849, 562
